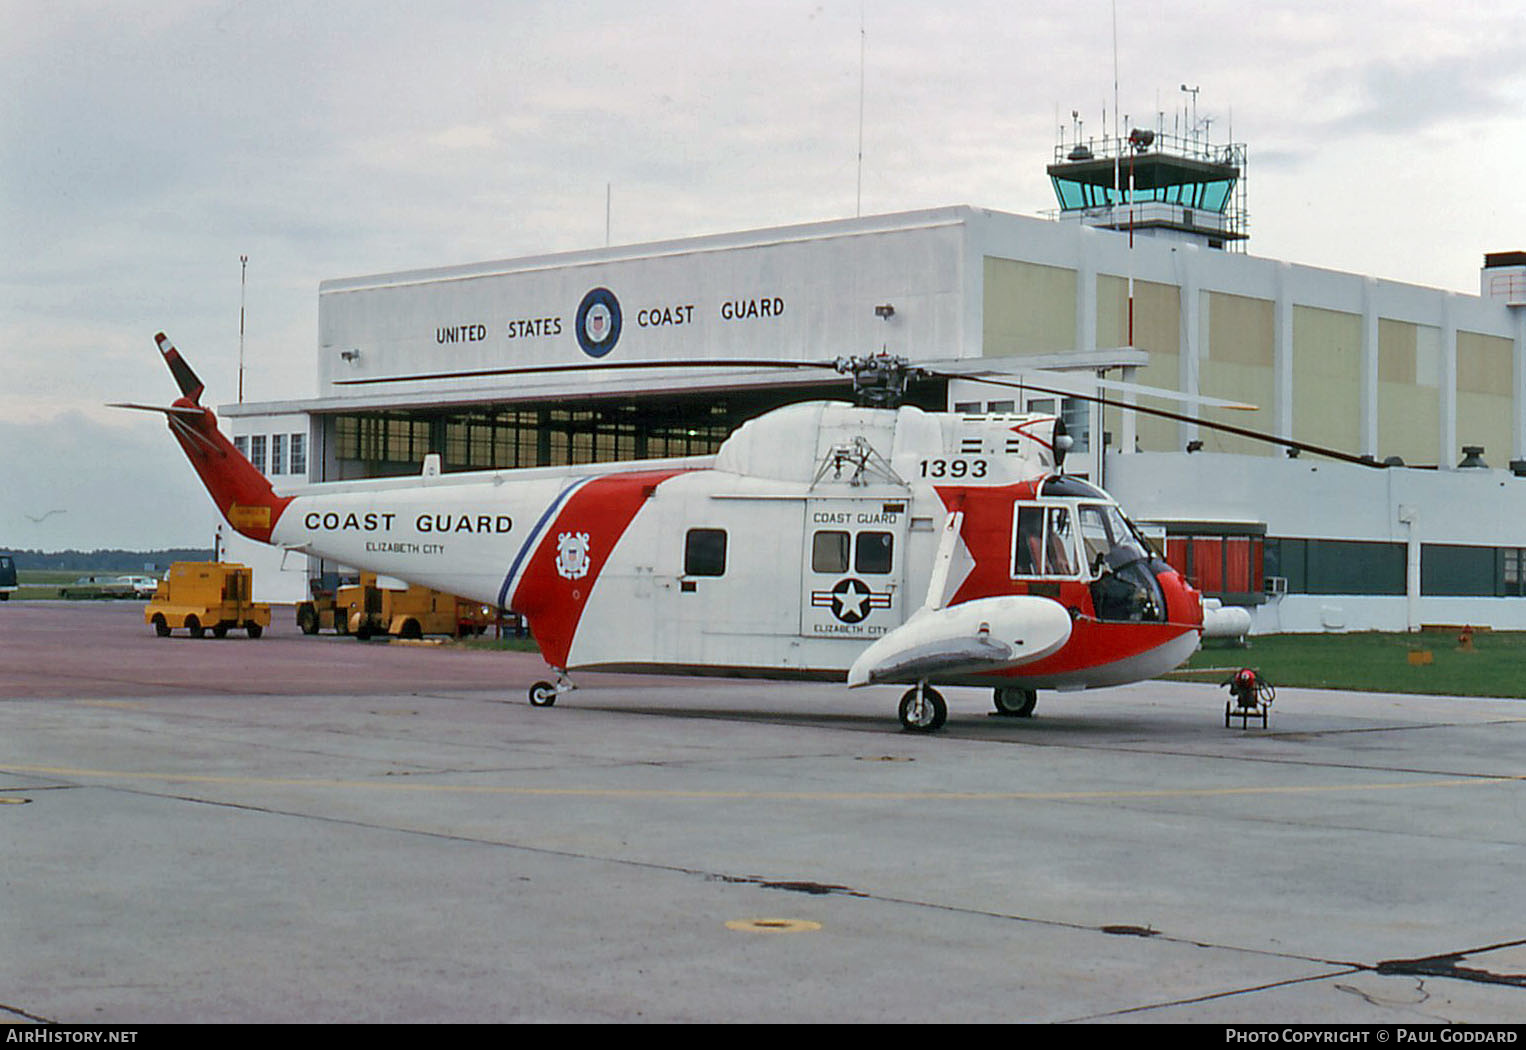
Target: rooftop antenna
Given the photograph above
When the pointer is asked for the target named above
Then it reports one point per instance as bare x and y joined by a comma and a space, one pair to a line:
1193, 92
858, 204
1117, 171
243, 273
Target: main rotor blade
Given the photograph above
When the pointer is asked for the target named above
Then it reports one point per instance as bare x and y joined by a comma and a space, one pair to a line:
1208, 424
1174, 395
980, 375
591, 367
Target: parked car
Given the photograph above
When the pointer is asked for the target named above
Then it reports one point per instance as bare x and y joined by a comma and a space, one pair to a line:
97, 587
142, 586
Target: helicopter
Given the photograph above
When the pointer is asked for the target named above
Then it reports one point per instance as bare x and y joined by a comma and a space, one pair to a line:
867, 543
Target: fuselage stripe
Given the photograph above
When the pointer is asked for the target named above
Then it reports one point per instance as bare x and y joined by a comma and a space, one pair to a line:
533, 538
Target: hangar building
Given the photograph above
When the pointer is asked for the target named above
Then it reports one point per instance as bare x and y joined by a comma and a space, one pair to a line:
1431, 382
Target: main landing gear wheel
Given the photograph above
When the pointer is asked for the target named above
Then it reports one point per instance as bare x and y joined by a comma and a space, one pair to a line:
1016, 703
922, 710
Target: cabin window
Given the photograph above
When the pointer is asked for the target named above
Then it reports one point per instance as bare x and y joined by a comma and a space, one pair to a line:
829, 552
705, 552
1043, 542
873, 554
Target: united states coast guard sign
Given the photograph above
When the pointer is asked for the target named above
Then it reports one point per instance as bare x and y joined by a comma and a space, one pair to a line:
598, 322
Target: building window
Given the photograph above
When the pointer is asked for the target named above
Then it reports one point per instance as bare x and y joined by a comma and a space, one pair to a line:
257, 452
1453, 570
242, 444
705, 552
278, 453
299, 454
1513, 572
1336, 566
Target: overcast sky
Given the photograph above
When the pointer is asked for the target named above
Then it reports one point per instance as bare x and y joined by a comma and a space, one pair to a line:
145, 146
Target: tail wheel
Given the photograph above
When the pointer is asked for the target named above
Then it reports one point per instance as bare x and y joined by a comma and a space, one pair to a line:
542, 694
1016, 703
923, 710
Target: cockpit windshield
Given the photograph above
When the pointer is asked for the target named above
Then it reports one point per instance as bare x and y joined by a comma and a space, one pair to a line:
1125, 588
1110, 540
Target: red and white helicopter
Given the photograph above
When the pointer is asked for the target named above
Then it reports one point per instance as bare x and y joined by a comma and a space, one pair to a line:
824, 541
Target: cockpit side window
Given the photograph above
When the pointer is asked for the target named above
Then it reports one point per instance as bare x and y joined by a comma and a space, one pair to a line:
1043, 542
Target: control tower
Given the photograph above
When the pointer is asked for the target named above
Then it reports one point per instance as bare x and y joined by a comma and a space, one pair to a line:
1155, 184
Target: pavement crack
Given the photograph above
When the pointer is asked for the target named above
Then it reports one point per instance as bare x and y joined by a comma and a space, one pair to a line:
818, 889
1450, 965
19, 1012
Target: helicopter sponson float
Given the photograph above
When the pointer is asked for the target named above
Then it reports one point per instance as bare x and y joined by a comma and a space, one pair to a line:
825, 541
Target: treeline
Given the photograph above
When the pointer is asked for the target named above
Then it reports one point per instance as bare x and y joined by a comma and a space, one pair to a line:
114, 561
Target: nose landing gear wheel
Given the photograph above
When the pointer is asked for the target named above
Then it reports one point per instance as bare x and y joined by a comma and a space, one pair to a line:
922, 710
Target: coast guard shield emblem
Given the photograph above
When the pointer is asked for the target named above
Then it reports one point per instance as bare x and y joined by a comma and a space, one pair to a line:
598, 322
572, 555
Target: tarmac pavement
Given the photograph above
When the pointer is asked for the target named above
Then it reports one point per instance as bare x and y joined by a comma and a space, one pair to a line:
314, 829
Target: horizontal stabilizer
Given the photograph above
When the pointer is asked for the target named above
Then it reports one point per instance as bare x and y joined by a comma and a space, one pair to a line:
987, 634
170, 410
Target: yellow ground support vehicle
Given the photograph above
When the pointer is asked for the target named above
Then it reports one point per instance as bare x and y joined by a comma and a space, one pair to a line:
364, 610
206, 596
322, 611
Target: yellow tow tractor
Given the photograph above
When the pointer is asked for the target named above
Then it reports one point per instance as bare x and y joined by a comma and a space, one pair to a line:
367, 610
206, 595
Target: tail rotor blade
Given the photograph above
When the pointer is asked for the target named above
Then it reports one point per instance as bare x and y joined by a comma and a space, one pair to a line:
189, 384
